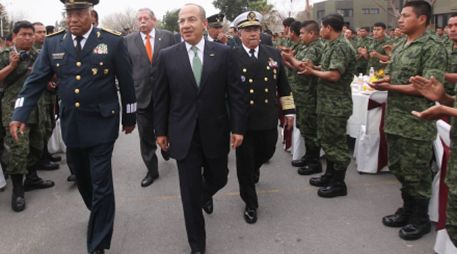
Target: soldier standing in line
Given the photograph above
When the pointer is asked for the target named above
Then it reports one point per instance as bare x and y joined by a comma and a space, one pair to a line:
305, 94
410, 140
86, 61
377, 56
263, 72
451, 71
23, 156
361, 47
334, 105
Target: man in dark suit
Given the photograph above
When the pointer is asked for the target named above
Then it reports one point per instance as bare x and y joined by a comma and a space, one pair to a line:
143, 48
86, 62
198, 86
262, 71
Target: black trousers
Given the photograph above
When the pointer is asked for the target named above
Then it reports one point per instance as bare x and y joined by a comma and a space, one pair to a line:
199, 179
148, 145
257, 148
92, 167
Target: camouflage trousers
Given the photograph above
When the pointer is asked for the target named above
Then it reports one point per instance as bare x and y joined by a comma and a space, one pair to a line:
331, 133
409, 161
451, 212
44, 121
24, 154
307, 123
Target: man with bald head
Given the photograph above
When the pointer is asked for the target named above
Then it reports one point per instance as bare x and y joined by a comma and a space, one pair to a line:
198, 85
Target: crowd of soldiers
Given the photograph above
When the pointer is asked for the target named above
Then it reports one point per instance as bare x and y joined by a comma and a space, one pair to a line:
306, 73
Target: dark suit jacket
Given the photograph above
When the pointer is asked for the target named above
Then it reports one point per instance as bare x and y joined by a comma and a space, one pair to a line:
144, 73
86, 86
266, 80
180, 105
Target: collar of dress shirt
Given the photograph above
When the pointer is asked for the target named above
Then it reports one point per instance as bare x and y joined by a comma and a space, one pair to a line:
85, 36
200, 45
256, 53
152, 35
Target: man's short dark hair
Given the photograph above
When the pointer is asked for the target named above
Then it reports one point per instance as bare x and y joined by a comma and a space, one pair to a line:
295, 27
24, 24
288, 21
50, 29
380, 24
37, 24
365, 28
335, 21
310, 26
421, 8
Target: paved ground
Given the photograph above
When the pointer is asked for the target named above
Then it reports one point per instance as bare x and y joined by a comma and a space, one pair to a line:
292, 219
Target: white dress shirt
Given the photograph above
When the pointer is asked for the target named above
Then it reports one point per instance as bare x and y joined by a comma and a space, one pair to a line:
256, 51
152, 36
83, 41
201, 48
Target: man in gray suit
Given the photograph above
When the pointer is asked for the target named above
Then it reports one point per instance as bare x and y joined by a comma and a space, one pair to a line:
143, 48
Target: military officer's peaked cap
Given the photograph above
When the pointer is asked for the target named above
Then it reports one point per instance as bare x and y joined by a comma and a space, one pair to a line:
78, 4
215, 20
247, 19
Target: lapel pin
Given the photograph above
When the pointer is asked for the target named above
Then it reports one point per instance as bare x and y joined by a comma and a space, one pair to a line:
212, 54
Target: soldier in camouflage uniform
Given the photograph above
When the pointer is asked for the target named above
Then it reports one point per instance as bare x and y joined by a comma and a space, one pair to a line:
22, 156
45, 108
410, 139
451, 71
376, 52
361, 47
304, 91
334, 105
284, 41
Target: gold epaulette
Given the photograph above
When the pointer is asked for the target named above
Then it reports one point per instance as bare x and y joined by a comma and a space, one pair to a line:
287, 102
56, 33
111, 31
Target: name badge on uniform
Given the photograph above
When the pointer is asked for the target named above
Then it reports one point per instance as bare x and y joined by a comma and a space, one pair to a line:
101, 49
58, 56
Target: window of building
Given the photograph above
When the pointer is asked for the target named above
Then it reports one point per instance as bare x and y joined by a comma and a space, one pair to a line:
345, 12
320, 14
370, 11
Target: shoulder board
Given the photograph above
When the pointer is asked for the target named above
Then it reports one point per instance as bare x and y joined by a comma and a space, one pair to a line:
111, 31
56, 33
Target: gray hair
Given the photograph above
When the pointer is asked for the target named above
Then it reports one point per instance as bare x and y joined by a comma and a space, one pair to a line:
201, 9
151, 13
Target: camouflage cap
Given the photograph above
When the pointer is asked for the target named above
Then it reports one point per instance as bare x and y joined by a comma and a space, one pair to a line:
78, 4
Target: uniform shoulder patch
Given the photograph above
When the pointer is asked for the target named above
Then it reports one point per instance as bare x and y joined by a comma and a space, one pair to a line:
111, 31
56, 33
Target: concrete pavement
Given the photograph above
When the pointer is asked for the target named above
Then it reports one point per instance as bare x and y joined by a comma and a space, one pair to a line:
291, 218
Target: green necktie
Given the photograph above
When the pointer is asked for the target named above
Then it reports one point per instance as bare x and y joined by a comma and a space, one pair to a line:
196, 65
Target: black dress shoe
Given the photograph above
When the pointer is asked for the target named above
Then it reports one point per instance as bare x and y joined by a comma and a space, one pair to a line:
208, 207
18, 202
333, 190
71, 178
98, 252
414, 231
399, 219
54, 158
48, 165
299, 163
148, 180
320, 181
197, 252
2, 189
165, 154
250, 215
37, 183
310, 168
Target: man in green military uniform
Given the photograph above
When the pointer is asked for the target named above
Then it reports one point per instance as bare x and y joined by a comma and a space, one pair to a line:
377, 56
410, 139
451, 71
334, 105
305, 94
21, 157
361, 47
285, 41
45, 107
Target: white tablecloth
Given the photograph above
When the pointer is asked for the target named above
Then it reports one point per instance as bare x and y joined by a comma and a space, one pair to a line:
363, 125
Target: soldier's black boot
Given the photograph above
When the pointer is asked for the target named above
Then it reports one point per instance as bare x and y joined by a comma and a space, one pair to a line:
323, 180
336, 188
313, 163
401, 217
299, 162
34, 182
17, 199
419, 222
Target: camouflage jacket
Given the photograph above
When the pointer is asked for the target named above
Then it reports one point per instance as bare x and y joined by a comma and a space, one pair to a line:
361, 63
13, 84
305, 86
376, 45
451, 67
334, 98
426, 57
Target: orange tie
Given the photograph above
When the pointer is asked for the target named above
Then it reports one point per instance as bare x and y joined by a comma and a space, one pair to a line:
148, 48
